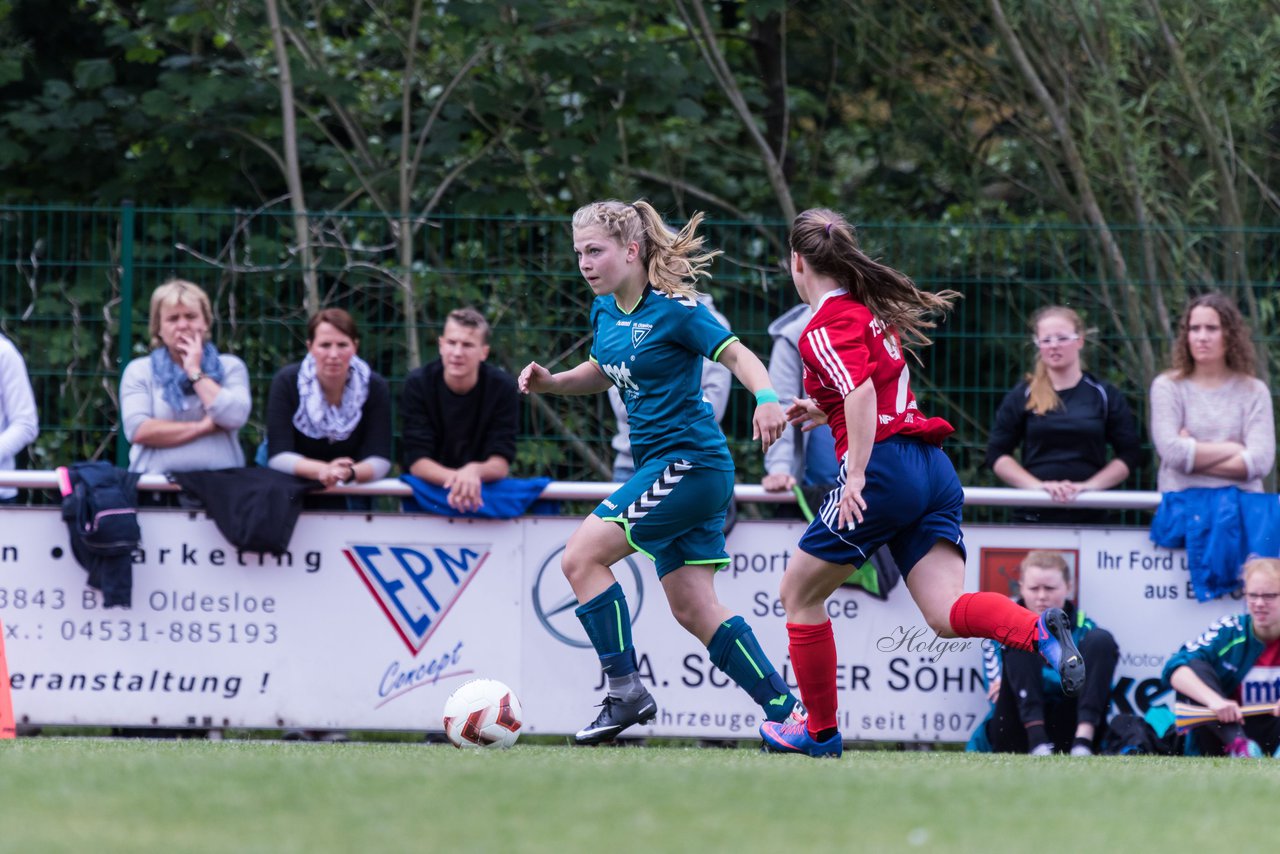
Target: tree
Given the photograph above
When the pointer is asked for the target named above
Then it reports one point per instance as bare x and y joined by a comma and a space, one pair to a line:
353, 130
89, 115
1093, 113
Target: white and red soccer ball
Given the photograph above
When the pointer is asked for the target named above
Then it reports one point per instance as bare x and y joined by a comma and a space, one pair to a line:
483, 713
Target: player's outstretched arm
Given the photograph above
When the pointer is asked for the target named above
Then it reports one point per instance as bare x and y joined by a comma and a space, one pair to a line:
583, 379
768, 422
805, 413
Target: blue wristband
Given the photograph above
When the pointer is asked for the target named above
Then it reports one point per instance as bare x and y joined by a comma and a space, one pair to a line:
766, 395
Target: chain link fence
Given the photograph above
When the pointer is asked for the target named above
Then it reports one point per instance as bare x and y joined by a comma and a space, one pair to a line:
75, 284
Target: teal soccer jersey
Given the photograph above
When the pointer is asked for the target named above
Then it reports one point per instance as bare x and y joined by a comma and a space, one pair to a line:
654, 356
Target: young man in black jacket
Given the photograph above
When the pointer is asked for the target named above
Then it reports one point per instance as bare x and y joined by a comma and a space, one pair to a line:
459, 414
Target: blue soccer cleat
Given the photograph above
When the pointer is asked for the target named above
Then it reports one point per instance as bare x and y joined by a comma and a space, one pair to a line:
793, 737
1245, 748
1053, 639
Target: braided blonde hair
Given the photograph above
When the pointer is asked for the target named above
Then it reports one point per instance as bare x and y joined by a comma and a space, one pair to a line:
673, 259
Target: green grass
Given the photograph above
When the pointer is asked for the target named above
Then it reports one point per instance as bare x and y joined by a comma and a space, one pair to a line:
82, 794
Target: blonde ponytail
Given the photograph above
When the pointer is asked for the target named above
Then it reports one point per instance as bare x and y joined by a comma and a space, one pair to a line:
674, 258
1041, 397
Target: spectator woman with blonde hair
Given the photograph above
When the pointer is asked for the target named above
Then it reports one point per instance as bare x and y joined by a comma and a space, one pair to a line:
1063, 418
182, 406
1211, 417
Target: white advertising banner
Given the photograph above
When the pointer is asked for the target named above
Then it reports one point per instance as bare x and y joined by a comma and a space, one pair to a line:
896, 680
363, 623
370, 622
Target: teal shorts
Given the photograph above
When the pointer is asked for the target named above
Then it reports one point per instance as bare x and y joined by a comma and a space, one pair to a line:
673, 513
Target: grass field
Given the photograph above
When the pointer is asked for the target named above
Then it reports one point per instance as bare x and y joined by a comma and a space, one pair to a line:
101, 795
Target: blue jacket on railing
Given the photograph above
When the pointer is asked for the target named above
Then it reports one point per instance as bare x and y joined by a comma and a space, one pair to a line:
503, 499
1220, 529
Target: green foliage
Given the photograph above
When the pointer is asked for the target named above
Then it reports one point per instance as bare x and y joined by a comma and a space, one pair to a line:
416, 146
887, 110
1150, 122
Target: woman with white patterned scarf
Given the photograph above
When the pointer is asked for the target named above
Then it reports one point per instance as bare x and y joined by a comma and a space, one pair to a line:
329, 416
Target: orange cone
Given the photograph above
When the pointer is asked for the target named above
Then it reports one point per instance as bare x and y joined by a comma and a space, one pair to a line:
8, 725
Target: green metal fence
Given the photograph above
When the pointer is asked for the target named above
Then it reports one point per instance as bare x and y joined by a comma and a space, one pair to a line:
75, 283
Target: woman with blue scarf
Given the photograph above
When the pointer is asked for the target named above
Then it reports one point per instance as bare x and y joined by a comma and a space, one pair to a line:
182, 406
329, 416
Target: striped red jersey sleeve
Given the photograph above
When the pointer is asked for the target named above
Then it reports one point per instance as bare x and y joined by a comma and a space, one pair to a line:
842, 360
845, 346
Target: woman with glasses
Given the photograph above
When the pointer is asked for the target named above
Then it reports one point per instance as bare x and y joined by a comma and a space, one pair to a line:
1211, 417
1235, 662
1064, 418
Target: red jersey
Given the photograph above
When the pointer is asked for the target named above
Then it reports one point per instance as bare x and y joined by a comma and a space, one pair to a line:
842, 348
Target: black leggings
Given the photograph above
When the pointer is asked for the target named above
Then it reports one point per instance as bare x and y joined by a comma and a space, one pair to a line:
1022, 701
1213, 738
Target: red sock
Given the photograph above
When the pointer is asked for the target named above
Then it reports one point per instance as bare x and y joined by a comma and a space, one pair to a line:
813, 658
990, 615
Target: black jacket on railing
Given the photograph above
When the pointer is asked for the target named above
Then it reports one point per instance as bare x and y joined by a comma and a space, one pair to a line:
100, 507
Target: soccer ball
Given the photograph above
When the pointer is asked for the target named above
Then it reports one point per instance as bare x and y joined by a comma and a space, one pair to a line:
482, 713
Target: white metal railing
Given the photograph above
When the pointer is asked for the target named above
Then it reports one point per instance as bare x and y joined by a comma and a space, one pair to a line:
567, 490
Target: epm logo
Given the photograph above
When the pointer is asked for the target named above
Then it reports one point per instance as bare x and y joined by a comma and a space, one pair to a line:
416, 585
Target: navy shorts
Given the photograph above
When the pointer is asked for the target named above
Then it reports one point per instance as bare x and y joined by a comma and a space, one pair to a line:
913, 500
673, 513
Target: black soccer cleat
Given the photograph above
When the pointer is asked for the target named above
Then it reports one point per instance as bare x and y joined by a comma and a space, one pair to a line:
1058, 648
615, 716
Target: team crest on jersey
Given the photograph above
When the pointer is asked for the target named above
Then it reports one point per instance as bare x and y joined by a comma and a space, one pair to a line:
416, 585
640, 331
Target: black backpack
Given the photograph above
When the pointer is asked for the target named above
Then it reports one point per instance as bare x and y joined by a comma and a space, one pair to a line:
101, 509
1129, 735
